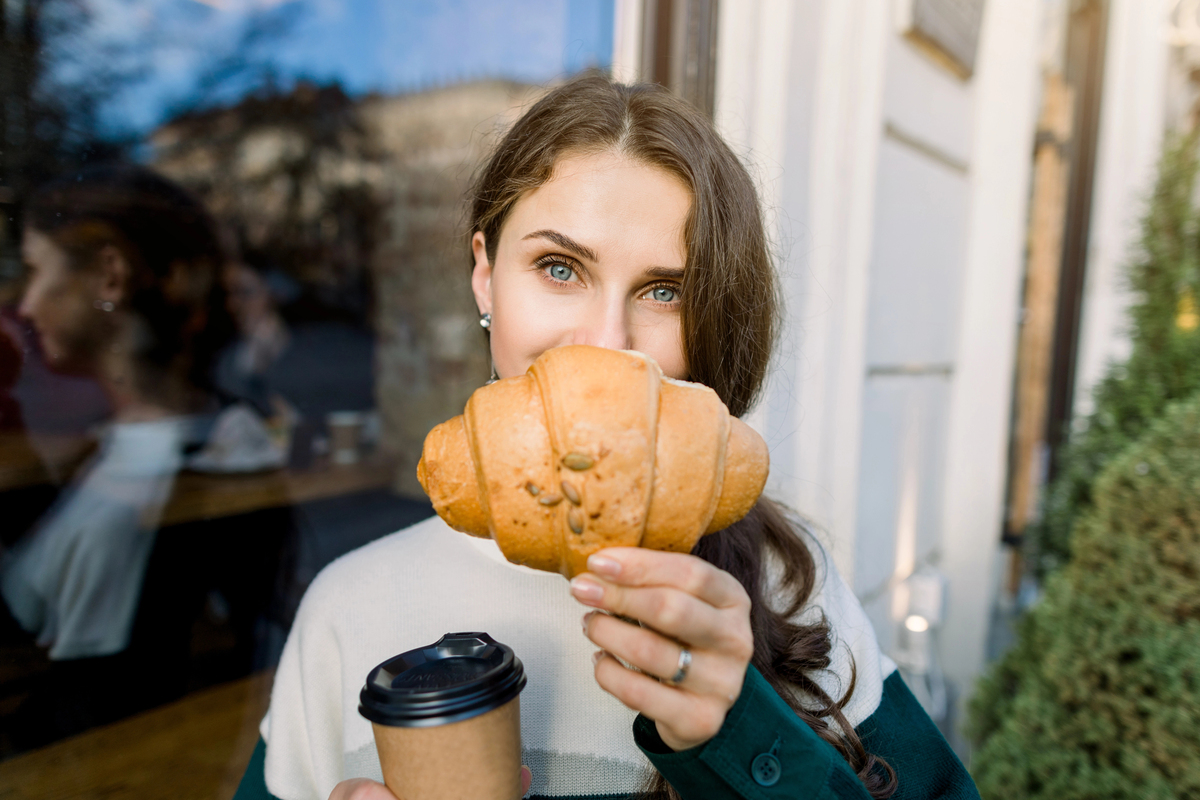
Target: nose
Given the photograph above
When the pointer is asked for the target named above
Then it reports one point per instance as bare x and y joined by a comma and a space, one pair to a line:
605, 324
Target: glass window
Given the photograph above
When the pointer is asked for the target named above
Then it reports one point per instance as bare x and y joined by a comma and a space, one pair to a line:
234, 296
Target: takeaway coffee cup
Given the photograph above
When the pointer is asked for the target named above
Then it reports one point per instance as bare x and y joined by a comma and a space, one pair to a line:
447, 719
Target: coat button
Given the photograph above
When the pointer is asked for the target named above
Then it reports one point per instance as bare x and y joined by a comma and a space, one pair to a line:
766, 769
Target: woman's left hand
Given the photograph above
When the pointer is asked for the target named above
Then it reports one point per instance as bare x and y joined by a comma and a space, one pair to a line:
685, 603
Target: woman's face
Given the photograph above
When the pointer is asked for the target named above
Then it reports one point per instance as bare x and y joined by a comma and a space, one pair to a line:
593, 256
59, 303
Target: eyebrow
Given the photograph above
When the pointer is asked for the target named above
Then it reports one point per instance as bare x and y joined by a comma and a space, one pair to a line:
565, 242
672, 273
583, 251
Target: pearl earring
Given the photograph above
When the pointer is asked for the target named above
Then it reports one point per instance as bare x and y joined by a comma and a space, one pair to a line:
102, 305
485, 321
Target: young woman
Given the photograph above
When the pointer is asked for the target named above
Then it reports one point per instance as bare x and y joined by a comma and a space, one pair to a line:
615, 216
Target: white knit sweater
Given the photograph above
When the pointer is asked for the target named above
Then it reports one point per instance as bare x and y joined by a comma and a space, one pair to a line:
409, 588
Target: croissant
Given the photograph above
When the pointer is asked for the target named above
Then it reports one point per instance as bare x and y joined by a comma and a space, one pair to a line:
592, 448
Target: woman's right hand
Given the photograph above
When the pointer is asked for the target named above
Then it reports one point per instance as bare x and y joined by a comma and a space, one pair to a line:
364, 789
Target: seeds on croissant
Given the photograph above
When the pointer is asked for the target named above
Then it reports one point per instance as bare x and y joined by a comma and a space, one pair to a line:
550, 500
575, 520
532, 488
570, 492
577, 461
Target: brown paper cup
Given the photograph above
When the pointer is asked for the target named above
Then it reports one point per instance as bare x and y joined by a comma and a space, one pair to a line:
476, 759
447, 719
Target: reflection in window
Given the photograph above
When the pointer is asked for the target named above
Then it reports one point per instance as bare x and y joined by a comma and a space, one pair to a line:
234, 297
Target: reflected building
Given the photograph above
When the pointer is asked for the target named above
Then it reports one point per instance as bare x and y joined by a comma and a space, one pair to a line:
358, 202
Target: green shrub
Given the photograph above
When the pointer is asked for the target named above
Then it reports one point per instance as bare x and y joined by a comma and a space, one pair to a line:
1101, 698
1164, 362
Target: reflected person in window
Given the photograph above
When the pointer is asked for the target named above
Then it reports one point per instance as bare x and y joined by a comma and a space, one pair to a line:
122, 287
252, 299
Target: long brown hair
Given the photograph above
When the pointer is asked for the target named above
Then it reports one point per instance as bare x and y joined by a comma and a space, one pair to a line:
729, 316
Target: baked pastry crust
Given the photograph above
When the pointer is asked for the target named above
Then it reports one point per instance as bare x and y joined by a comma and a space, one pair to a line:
592, 448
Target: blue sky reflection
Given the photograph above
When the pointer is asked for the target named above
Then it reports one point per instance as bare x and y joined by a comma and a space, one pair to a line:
388, 46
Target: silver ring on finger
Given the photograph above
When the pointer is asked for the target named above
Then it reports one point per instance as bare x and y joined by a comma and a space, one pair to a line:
681, 669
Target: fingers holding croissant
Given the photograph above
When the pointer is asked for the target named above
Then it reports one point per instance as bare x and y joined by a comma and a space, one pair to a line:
592, 448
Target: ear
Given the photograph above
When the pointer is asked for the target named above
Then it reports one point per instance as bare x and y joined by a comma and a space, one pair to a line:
481, 275
112, 279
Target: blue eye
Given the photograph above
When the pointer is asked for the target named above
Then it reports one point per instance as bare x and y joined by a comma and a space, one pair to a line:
561, 272
664, 295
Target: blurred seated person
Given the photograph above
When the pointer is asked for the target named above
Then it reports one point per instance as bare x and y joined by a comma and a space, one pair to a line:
296, 358
122, 287
253, 292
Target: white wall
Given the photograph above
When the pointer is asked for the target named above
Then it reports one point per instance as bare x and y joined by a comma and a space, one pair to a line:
914, 296
898, 194
972, 503
799, 93
1132, 120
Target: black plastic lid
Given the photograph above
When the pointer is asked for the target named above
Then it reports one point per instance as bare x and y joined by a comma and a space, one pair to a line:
460, 676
